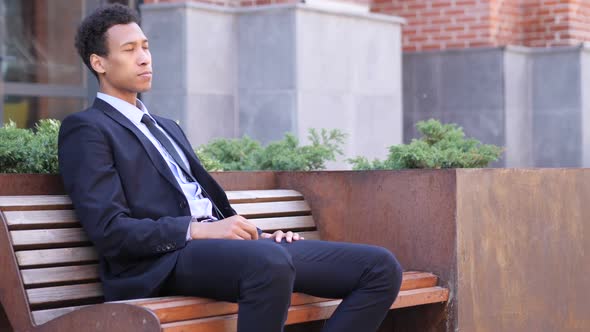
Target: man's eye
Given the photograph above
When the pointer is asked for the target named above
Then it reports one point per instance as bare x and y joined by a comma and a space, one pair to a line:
128, 50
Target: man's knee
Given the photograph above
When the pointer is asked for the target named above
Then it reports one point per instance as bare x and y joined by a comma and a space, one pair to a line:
272, 261
387, 269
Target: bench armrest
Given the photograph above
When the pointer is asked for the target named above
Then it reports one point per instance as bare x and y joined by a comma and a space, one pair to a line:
105, 317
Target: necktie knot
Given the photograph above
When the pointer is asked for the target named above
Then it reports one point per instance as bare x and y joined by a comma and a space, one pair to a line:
147, 120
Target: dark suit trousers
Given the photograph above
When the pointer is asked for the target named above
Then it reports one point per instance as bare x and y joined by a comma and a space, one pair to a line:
261, 276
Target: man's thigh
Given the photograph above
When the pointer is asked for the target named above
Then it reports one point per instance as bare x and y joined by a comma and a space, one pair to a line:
332, 269
214, 268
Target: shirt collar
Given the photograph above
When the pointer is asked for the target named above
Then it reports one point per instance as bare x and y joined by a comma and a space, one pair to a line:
132, 112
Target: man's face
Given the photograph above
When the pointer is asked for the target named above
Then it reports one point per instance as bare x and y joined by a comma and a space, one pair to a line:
127, 68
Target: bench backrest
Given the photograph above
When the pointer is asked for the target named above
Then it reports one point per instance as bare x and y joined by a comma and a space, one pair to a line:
59, 267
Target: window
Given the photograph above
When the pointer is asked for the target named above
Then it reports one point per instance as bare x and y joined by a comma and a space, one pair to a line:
41, 75
39, 42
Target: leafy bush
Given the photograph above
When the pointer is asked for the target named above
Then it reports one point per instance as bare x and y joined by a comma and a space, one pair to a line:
35, 151
29, 151
230, 154
246, 154
441, 146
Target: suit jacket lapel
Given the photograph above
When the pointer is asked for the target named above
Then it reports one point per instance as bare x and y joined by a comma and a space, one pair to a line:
174, 132
155, 156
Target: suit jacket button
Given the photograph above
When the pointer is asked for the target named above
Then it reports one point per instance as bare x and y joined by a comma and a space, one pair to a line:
182, 204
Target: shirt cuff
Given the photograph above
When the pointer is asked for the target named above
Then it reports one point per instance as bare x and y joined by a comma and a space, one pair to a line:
188, 232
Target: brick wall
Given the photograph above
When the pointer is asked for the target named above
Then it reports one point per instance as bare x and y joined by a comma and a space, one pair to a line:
506, 18
448, 24
443, 24
556, 22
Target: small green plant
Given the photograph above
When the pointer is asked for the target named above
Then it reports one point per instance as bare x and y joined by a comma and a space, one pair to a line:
27, 150
441, 146
246, 154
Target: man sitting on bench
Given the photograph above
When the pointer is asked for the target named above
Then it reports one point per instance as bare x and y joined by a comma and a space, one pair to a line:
163, 226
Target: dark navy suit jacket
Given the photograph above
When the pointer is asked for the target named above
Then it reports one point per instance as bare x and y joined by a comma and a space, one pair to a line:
127, 199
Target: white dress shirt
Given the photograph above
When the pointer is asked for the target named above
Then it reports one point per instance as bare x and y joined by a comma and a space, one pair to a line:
199, 205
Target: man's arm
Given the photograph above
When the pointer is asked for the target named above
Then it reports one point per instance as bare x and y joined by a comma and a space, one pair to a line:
92, 181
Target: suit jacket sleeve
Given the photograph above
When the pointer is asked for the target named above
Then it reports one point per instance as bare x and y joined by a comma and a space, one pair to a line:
92, 181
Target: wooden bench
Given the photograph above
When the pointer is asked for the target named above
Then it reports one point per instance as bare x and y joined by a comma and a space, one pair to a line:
50, 279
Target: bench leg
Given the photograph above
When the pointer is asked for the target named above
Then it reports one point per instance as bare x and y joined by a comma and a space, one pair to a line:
4, 323
105, 317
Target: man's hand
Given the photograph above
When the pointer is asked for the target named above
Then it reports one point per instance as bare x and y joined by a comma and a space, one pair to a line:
279, 235
234, 227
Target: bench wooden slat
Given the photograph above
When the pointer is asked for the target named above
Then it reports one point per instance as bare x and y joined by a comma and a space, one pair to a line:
59, 202
63, 294
272, 209
49, 257
416, 280
27, 220
60, 275
254, 196
306, 312
18, 220
40, 202
419, 296
284, 223
48, 238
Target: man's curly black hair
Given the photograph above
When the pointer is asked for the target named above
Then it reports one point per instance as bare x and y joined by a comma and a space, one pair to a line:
91, 35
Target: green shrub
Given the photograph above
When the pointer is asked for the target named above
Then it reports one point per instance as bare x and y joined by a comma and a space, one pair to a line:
35, 151
246, 154
441, 146
29, 151
229, 154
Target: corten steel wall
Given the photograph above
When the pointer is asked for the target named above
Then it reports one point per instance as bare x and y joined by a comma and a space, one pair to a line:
45, 184
30, 184
509, 243
522, 240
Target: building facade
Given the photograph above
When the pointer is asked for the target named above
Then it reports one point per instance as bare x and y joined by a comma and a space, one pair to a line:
511, 72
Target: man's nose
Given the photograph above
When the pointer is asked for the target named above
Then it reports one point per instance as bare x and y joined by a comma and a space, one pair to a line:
144, 57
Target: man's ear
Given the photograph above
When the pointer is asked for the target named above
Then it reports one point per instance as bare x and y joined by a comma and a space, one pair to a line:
97, 64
